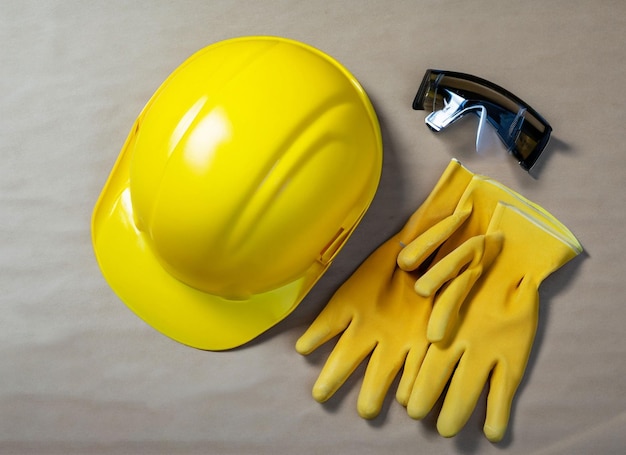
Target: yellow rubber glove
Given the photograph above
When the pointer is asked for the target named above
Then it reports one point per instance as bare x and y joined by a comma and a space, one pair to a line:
492, 337
378, 311
459, 271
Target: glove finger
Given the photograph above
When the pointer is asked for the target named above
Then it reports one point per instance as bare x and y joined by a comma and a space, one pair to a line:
447, 305
448, 267
501, 392
382, 368
333, 320
417, 251
412, 365
342, 361
431, 380
467, 384
479, 251
507, 376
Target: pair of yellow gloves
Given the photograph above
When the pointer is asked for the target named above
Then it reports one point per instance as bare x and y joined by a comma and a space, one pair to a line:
451, 298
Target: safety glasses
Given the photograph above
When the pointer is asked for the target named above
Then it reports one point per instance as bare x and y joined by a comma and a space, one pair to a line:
450, 96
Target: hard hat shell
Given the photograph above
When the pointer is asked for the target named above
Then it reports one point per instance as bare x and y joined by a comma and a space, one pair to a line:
240, 181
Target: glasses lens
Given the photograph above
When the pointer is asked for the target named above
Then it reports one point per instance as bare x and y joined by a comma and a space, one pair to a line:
520, 127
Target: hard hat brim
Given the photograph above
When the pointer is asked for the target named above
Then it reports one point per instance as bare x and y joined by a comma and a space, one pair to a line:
185, 314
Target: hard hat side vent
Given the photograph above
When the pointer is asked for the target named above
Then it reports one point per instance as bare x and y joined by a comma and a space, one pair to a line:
328, 252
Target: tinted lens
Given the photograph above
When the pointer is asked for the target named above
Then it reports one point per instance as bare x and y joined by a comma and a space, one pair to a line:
521, 128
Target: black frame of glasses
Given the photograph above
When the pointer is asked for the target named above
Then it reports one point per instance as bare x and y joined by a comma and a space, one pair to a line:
526, 142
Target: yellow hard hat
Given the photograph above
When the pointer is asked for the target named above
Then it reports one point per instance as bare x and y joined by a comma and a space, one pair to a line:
240, 181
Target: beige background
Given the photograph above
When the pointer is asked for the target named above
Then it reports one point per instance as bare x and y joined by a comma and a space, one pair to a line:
79, 373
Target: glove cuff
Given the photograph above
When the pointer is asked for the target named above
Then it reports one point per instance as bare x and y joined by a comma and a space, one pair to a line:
440, 203
534, 246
